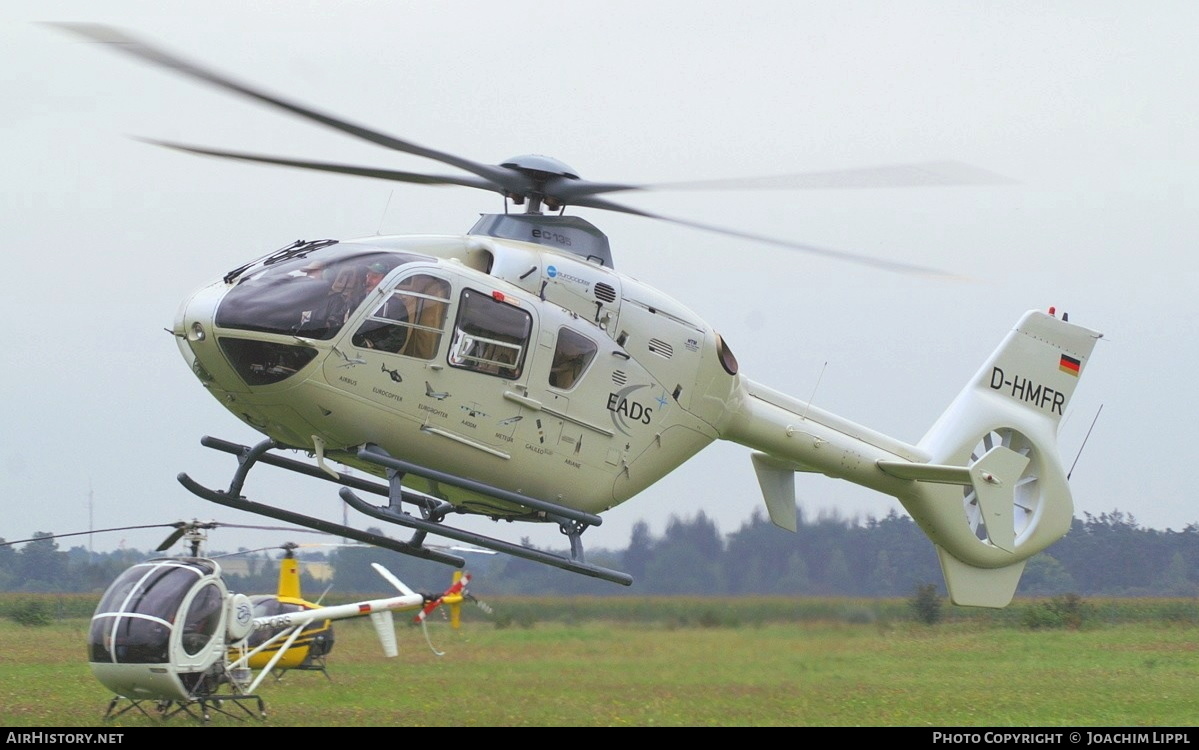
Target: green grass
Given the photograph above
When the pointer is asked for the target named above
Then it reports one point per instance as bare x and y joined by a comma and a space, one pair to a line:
836, 672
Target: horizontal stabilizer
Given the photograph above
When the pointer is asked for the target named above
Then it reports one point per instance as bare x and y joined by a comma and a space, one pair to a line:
935, 473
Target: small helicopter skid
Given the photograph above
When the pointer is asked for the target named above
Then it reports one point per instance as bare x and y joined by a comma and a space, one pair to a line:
200, 709
433, 511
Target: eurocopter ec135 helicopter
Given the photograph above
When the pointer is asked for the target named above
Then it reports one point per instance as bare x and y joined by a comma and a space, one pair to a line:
513, 373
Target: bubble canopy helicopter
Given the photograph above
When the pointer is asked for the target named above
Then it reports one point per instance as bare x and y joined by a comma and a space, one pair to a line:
511, 372
168, 631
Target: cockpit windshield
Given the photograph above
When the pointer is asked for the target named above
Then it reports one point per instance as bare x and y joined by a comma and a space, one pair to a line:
133, 621
310, 295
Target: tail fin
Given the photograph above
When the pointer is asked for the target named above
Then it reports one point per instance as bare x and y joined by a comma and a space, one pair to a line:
997, 442
385, 628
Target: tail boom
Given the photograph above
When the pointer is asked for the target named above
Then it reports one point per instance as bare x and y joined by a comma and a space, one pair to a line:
985, 483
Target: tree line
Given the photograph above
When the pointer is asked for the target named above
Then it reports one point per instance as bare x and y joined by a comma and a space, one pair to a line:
1109, 554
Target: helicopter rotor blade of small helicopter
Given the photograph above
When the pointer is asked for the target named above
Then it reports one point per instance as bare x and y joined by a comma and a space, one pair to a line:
174, 536
382, 174
499, 176
888, 265
93, 531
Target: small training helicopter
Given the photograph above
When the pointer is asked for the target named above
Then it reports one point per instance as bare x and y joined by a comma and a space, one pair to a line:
511, 372
168, 633
310, 649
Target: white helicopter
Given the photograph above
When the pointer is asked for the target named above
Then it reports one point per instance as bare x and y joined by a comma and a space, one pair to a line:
511, 372
169, 636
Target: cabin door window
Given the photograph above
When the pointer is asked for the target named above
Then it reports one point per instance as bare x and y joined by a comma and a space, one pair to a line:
490, 336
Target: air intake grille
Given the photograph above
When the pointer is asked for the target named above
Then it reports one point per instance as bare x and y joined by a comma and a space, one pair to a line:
661, 348
604, 292
619, 377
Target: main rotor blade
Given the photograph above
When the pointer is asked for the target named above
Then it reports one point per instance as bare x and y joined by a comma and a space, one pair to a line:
888, 265
123, 42
382, 174
923, 174
94, 531
173, 537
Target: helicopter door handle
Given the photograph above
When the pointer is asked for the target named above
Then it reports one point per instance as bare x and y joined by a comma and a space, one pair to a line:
622, 355
523, 400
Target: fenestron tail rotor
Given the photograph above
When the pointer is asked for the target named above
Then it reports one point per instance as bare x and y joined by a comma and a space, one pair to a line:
535, 181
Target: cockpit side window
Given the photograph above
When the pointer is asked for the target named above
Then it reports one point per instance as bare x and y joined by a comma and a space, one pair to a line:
409, 322
202, 617
571, 357
490, 336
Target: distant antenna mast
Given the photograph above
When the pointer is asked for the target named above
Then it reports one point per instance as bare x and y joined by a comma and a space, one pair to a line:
1084, 442
91, 522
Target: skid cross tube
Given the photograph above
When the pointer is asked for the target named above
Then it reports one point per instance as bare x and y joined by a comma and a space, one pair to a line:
377, 455
572, 522
469, 537
258, 454
247, 457
366, 537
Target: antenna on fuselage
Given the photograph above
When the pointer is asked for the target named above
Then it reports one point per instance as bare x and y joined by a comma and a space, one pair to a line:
813, 396
1084, 442
384, 216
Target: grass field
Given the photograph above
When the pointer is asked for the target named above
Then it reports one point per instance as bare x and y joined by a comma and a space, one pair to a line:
594, 673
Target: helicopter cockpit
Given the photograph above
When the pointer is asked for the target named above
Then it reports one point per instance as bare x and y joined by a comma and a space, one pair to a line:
309, 290
161, 627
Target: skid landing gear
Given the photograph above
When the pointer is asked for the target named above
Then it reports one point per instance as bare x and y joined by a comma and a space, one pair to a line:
432, 511
200, 709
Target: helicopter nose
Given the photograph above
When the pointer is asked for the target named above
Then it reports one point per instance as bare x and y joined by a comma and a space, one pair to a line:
194, 331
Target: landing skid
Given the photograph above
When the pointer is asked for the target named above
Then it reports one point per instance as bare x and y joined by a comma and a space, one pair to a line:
432, 511
200, 709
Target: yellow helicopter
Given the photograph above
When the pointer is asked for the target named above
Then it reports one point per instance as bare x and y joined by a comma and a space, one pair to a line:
511, 372
310, 649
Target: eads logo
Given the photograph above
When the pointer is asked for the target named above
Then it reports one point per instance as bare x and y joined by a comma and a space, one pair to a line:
626, 411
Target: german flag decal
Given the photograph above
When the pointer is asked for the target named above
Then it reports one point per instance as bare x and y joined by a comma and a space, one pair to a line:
1069, 364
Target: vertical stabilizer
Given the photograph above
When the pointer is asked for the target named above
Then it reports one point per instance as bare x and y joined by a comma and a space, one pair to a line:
1014, 500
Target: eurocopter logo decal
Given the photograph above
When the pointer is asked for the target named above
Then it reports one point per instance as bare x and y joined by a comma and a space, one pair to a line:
554, 273
625, 410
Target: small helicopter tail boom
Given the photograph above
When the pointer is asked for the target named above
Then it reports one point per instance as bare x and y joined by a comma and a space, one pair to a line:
986, 483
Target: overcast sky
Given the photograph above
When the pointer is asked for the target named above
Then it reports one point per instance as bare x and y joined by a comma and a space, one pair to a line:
1089, 107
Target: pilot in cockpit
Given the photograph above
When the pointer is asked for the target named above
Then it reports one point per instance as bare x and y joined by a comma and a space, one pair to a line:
374, 274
